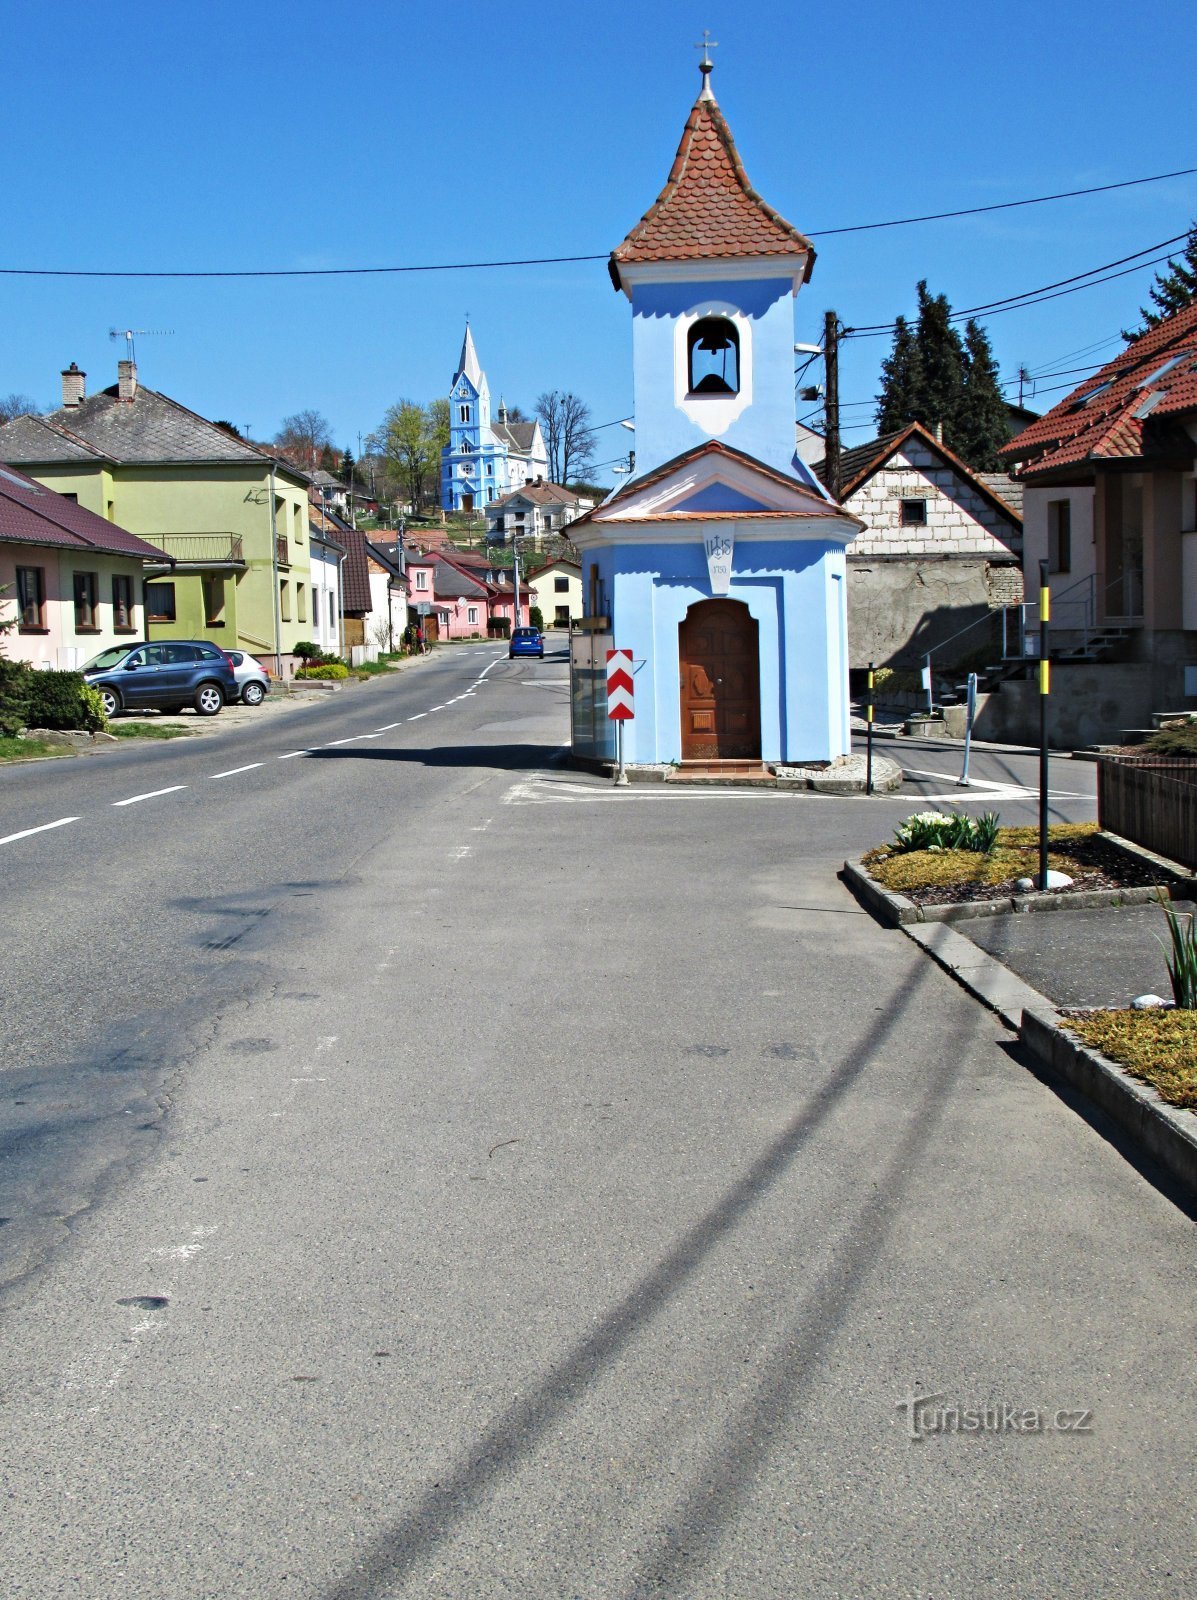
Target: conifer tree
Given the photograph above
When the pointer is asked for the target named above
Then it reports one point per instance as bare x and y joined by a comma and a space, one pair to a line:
941, 360
982, 423
933, 377
1174, 289
900, 381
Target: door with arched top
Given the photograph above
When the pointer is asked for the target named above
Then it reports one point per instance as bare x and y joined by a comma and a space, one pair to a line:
719, 651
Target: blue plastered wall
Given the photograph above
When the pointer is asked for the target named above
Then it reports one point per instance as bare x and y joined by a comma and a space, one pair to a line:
795, 590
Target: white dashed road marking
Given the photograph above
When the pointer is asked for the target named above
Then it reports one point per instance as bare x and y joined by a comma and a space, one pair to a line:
417, 716
233, 771
291, 754
152, 795
26, 833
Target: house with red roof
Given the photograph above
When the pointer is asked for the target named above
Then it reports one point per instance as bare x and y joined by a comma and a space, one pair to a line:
1110, 503
720, 564
454, 599
71, 582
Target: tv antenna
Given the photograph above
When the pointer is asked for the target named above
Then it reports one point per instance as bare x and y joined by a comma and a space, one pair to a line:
129, 334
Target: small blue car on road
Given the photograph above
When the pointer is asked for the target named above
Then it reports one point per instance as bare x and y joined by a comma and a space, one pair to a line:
526, 642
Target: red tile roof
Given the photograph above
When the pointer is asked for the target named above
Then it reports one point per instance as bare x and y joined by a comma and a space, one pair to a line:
708, 209
1130, 410
32, 514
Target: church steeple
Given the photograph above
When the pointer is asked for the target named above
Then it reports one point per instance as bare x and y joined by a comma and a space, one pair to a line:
468, 365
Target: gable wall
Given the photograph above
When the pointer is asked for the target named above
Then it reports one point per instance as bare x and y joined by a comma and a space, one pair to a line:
960, 522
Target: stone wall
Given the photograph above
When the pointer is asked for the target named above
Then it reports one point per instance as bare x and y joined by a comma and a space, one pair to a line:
960, 521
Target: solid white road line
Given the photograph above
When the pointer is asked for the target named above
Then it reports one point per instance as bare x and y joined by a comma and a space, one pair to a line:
233, 771
152, 795
26, 833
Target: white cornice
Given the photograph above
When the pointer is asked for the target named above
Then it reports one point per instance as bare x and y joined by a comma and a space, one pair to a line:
830, 529
714, 269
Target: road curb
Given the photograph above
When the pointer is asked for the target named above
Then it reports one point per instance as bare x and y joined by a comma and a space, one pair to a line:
1168, 1135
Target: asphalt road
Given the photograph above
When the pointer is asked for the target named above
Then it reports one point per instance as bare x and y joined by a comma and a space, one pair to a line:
544, 1190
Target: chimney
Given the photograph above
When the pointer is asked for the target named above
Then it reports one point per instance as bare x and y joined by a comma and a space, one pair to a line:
73, 386
126, 380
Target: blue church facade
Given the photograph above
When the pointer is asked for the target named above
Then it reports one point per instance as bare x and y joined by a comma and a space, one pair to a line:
721, 564
484, 459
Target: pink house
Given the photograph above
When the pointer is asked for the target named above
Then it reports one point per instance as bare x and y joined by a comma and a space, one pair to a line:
74, 581
461, 602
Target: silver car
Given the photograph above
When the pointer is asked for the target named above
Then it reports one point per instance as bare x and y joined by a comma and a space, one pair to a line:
253, 682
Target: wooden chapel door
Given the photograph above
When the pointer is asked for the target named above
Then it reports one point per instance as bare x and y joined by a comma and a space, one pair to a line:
719, 652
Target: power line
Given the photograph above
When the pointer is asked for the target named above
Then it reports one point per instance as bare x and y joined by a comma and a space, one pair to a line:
551, 261
1029, 297
1006, 205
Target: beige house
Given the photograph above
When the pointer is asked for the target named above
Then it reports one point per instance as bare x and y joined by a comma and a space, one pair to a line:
557, 589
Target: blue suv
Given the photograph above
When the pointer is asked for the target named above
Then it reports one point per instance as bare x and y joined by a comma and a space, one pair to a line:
166, 676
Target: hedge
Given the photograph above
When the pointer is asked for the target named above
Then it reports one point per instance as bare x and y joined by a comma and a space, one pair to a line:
329, 669
62, 700
14, 697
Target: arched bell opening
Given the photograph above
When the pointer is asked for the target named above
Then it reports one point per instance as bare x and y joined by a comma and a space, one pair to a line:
713, 351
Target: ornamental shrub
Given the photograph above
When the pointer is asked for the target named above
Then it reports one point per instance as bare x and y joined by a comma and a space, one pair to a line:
1178, 740
307, 651
326, 669
62, 700
14, 697
943, 830
535, 618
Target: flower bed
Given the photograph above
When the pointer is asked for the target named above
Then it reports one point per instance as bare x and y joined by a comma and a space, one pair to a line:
945, 876
1158, 1047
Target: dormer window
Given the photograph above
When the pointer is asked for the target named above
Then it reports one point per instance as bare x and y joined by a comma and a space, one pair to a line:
714, 357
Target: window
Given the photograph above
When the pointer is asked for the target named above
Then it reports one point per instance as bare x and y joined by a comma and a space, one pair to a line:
213, 587
87, 618
561, 620
421, 579
301, 603
31, 598
73, 498
560, 585
464, 412
179, 655
471, 613
913, 513
160, 602
316, 608
122, 603
284, 599
297, 521
1059, 536
714, 352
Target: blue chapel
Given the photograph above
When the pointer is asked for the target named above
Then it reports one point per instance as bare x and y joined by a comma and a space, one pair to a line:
721, 563
485, 459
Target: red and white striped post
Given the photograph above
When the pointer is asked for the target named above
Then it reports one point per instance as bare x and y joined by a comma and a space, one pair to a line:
620, 700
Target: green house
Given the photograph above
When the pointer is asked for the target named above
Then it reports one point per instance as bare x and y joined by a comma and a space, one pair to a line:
232, 518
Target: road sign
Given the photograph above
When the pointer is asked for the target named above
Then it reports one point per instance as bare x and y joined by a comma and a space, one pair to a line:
619, 685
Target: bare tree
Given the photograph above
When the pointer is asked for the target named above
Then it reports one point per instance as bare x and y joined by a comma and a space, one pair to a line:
568, 436
302, 437
17, 405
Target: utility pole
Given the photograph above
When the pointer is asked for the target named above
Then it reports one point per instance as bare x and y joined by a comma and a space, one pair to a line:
831, 400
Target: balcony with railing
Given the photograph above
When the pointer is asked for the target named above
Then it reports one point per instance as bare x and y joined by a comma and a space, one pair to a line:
207, 551
282, 550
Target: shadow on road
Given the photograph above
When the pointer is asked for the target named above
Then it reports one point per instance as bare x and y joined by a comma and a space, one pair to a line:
516, 1432
502, 757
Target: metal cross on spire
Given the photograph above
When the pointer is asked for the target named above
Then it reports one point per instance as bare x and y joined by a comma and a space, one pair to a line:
706, 65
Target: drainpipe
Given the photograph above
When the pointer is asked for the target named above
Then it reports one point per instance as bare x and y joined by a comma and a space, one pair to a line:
278, 613
341, 603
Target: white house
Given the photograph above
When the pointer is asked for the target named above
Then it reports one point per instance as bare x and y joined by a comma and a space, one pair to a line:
533, 511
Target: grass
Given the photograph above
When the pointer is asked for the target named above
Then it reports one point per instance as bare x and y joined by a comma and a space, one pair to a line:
373, 669
1016, 855
12, 749
147, 730
1159, 1047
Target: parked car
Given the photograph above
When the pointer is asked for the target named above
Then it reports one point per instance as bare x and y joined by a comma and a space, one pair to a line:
526, 642
253, 682
166, 676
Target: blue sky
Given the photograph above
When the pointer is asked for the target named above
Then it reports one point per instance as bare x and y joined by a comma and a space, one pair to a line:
253, 135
